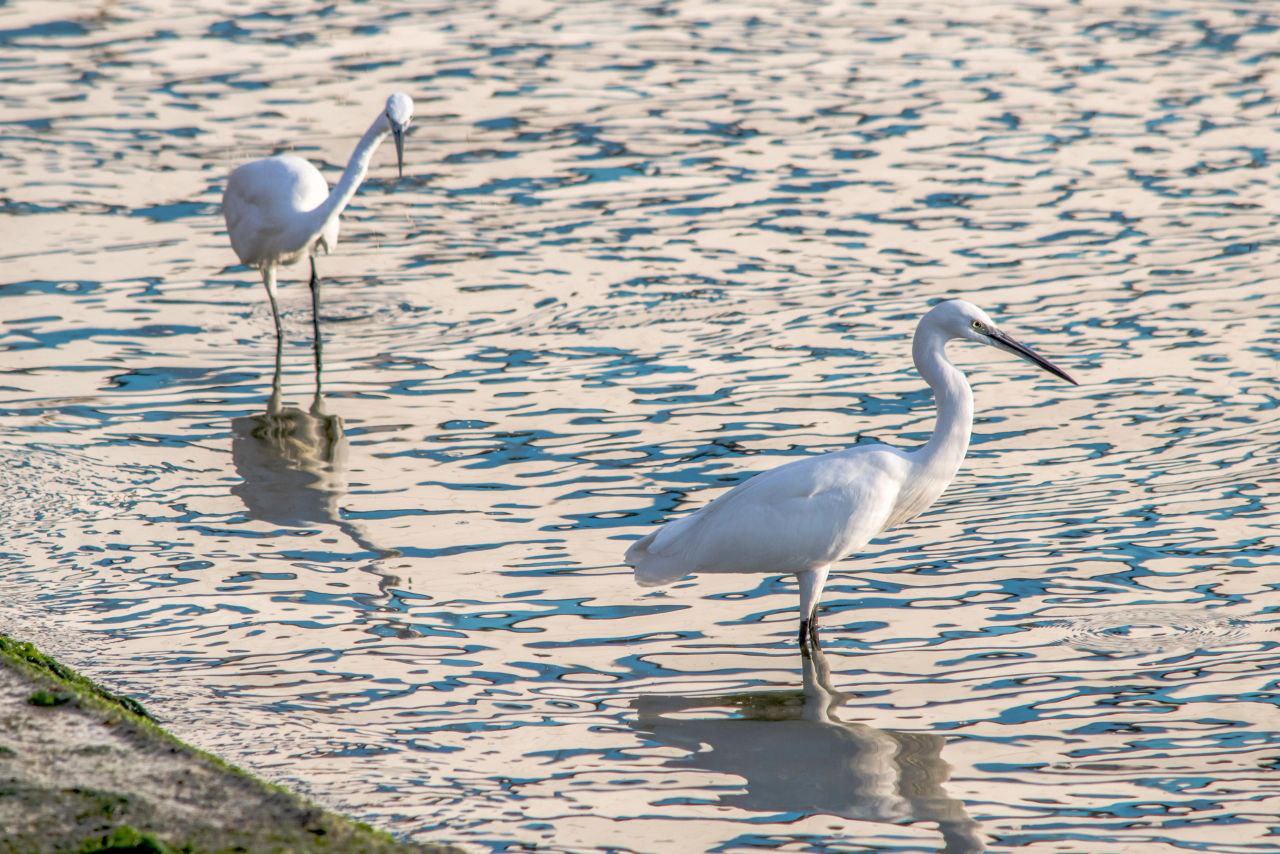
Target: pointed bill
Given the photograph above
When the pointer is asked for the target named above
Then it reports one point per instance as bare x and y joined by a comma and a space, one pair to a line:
1012, 345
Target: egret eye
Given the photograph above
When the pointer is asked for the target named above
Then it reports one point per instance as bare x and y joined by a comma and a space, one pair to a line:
979, 326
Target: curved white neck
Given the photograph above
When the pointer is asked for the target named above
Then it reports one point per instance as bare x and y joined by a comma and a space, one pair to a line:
946, 448
352, 176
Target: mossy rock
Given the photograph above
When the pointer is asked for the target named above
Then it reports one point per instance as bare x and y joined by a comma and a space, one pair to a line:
123, 783
126, 840
46, 697
26, 655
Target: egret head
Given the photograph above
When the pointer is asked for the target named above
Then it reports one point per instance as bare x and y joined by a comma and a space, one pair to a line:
961, 319
399, 114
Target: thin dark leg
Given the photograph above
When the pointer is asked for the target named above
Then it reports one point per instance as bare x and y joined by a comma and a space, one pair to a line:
273, 406
315, 308
317, 401
275, 315
809, 634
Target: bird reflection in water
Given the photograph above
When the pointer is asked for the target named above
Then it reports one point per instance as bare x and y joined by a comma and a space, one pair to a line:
797, 756
292, 464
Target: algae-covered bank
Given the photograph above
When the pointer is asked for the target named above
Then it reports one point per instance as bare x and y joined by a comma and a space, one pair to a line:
83, 769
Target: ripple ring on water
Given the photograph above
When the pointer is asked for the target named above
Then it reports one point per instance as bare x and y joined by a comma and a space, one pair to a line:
1152, 630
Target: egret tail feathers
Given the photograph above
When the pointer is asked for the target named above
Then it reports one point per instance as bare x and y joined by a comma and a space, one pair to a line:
651, 569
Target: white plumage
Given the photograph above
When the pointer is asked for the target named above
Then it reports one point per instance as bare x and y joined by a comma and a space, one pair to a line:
279, 209
267, 205
823, 506
803, 516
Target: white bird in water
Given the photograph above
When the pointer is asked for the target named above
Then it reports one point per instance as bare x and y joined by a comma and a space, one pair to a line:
803, 516
280, 208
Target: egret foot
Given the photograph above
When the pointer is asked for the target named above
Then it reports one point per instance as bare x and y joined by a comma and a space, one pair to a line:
809, 634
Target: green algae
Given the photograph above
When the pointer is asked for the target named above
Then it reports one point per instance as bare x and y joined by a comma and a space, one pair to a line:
45, 697
126, 840
94, 820
28, 658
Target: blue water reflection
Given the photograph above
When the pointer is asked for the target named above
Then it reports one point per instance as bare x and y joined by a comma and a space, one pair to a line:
798, 757
647, 252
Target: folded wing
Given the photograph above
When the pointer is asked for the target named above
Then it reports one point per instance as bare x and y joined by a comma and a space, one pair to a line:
793, 518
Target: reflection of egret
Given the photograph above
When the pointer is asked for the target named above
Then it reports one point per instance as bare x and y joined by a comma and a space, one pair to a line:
797, 756
293, 464
279, 209
802, 516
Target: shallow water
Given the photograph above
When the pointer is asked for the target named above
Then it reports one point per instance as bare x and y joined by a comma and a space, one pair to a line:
641, 253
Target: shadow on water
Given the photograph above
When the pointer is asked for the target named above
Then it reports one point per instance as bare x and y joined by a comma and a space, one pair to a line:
796, 755
292, 464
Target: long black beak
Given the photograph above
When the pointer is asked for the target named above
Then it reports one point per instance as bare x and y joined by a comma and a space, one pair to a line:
398, 134
1022, 351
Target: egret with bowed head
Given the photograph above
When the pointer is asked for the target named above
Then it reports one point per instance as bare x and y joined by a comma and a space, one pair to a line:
803, 516
279, 209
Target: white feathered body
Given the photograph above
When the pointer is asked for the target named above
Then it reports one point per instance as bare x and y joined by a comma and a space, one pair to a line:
268, 207
795, 518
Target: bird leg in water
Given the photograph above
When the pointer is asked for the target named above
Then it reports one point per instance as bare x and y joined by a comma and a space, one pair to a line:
809, 634
269, 280
315, 307
273, 405
811, 584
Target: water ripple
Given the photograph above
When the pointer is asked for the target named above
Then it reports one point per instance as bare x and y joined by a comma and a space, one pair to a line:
640, 254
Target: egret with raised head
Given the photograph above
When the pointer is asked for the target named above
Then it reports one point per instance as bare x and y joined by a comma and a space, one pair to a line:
803, 516
280, 209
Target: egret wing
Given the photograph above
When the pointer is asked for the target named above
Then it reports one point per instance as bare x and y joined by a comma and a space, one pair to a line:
790, 519
263, 205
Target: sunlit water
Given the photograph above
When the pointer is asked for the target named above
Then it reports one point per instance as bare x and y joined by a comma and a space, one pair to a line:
640, 253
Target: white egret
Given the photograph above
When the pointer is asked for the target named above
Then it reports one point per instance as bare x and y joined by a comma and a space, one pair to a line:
279, 209
802, 516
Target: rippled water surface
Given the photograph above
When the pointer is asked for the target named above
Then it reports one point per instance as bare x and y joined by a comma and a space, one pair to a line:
640, 253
